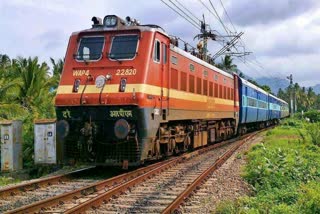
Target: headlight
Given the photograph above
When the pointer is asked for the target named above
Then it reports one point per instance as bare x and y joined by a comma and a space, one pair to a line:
110, 21
121, 129
100, 80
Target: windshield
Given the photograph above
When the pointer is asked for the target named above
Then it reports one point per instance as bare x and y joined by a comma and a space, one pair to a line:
90, 48
124, 47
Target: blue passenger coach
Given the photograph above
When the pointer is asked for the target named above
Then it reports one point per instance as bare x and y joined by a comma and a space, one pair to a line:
258, 108
253, 103
284, 109
274, 107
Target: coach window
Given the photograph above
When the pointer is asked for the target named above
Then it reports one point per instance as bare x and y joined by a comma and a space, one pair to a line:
156, 51
174, 60
205, 73
124, 47
191, 67
216, 77
90, 49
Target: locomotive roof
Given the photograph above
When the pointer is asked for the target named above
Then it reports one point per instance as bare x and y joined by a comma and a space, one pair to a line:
142, 28
246, 82
200, 61
277, 98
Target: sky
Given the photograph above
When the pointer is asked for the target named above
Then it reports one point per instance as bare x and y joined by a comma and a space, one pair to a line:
283, 35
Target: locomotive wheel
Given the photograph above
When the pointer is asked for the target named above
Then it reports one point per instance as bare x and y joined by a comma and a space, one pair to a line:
172, 145
157, 149
186, 143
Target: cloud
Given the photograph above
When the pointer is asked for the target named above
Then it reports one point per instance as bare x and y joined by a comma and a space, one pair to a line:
283, 34
253, 12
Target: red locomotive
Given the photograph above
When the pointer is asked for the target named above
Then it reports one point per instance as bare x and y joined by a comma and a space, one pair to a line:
128, 93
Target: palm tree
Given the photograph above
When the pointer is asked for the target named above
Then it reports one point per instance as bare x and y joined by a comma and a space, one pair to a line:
227, 64
57, 67
311, 98
33, 78
9, 109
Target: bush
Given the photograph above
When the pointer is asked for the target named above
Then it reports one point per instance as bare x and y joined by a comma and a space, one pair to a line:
314, 132
283, 172
313, 115
292, 123
7, 180
309, 198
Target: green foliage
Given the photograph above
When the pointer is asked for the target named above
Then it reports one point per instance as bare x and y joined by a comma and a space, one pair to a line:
313, 130
292, 123
309, 198
313, 115
7, 180
284, 173
227, 64
306, 99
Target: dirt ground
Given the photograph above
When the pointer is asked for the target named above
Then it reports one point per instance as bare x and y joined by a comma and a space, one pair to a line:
224, 184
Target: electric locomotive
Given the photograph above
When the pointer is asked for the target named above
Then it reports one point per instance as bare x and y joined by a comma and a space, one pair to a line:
128, 93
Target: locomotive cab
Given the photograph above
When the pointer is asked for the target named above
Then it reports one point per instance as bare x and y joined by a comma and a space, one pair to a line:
106, 87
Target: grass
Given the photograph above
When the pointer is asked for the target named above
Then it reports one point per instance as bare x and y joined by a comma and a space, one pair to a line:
7, 180
284, 172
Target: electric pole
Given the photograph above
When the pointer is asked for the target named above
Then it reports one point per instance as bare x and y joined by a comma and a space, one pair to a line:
291, 88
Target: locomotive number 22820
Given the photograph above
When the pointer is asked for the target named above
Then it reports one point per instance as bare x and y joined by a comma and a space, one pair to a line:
125, 72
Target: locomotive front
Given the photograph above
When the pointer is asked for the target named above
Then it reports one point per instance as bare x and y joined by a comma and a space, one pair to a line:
100, 94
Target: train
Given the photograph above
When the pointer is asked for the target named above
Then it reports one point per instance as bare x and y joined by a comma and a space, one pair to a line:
129, 94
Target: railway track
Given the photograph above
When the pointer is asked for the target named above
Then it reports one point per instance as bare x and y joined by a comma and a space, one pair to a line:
157, 188
28, 192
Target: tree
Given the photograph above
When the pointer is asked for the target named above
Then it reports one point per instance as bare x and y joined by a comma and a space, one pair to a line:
266, 88
8, 90
57, 67
227, 64
311, 98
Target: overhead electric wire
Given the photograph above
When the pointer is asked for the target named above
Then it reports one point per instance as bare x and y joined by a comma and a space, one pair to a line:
195, 22
196, 26
235, 30
188, 10
220, 20
254, 62
208, 9
251, 64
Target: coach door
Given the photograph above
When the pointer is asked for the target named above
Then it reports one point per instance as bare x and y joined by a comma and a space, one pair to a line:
165, 80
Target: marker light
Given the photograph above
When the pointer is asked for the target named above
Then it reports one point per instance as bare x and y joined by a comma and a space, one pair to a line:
76, 85
123, 83
108, 77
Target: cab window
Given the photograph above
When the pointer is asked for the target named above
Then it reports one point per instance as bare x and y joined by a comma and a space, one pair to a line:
90, 48
124, 47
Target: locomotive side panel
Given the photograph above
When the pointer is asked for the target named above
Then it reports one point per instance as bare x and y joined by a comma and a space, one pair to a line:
197, 91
